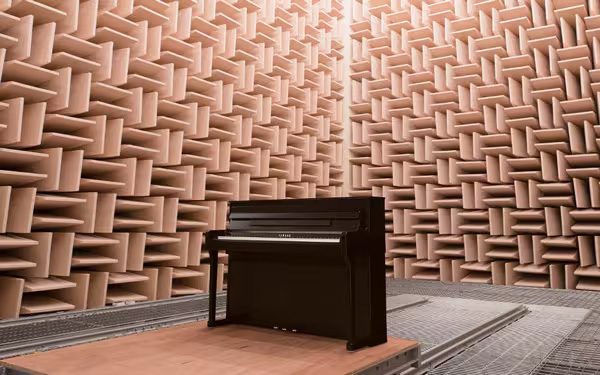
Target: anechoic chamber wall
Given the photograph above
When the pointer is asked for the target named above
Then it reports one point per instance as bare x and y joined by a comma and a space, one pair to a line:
127, 125
478, 121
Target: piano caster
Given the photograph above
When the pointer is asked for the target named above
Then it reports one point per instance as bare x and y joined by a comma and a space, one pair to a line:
216, 323
353, 346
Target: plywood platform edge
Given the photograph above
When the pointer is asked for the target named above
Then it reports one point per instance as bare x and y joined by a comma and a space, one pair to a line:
195, 349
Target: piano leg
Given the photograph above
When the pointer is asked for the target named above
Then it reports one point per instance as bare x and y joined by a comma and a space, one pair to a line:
351, 344
212, 289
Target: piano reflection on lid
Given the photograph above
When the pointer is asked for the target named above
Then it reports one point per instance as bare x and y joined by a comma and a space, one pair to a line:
315, 266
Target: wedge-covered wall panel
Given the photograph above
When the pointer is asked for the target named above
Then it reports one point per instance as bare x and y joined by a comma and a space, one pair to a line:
478, 121
126, 126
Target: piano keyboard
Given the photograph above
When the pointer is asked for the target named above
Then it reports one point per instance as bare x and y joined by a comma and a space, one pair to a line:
281, 238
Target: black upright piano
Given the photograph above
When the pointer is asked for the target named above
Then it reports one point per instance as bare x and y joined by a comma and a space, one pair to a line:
313, 266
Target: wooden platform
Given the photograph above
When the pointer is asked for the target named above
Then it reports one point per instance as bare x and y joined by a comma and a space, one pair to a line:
193, 349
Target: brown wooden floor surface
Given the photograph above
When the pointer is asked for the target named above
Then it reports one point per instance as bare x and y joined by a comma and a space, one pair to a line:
195, 349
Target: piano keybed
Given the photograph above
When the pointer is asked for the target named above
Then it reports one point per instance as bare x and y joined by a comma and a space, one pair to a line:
308, 237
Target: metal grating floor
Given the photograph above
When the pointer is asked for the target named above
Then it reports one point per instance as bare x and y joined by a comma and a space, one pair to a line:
443, 319
45, 332
578, 353
529, 296
541, 332
518, 348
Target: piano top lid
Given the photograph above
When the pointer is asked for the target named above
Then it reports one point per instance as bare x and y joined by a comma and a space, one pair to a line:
312, 208
296, 215
319, 214
306, 200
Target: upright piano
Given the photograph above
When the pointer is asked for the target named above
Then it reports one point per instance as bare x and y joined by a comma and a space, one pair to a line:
314, 266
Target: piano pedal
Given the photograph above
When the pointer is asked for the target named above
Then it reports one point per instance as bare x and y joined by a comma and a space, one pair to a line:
285, 329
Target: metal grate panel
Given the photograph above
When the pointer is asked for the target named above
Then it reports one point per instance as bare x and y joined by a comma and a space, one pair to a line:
518, 348
441, 320
445, 326
577, 354
501, 293
56, 330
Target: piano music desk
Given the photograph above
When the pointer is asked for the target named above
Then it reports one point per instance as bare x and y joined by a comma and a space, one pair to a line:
193, 349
